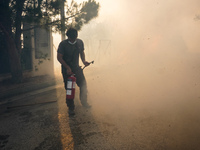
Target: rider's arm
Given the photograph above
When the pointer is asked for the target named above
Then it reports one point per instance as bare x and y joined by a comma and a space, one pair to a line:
60, 59
82, 54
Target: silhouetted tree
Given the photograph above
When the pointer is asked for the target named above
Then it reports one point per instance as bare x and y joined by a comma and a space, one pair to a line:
41, 13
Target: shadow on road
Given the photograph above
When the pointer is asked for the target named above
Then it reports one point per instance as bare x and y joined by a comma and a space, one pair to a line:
85, 130
31, 123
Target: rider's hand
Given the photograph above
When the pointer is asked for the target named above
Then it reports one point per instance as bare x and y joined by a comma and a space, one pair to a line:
86, 63
69, 71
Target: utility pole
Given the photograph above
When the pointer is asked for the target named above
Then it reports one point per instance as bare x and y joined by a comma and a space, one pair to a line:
62, 14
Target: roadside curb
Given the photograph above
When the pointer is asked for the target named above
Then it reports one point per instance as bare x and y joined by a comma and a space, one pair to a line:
30, 93
27, 90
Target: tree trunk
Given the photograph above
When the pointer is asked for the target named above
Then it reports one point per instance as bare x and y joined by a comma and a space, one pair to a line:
5, 26
15, 63
14, 59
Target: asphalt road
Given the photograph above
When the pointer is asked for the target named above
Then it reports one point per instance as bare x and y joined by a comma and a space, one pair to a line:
130, 120
41, 121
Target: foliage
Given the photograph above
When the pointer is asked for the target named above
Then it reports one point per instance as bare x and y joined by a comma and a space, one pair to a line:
40, 13
83, 13
46, 13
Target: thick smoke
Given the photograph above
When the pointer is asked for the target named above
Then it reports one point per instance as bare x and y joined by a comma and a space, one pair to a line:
146, 66
146, 75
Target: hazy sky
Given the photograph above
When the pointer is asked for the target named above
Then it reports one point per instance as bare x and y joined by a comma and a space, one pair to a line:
145, 27
158, 20
148, 63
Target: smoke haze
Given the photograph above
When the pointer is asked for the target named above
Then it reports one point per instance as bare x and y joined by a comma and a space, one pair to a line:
146, 75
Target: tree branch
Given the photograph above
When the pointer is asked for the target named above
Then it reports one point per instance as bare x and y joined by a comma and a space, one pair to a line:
4, 30
51, 23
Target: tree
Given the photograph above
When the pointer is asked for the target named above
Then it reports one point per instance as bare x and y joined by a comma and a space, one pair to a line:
41, 13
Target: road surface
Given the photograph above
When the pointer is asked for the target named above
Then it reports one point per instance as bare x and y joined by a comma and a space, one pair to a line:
115, 121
